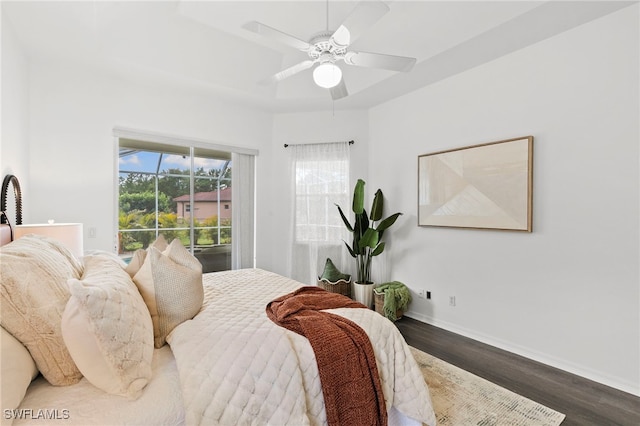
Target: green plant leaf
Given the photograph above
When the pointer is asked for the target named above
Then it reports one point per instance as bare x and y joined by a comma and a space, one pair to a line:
388, 222
361, 224
358, 197
344, 219
379, 249
354, 247
351, 252
364, 219
369, 238
377, 205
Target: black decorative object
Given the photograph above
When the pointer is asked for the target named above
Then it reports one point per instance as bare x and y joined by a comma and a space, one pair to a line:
11, 179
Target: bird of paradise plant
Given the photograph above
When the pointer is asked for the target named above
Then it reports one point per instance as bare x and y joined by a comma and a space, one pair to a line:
367, 231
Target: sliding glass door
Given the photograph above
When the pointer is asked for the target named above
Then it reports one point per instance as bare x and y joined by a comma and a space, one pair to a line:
178, 192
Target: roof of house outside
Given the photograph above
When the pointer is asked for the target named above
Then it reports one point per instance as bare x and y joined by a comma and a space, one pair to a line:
211, 196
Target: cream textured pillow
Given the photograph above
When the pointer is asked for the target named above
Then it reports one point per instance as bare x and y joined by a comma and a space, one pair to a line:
171, 285
18, 369
34, 276
160, 243
137, 260
108, 330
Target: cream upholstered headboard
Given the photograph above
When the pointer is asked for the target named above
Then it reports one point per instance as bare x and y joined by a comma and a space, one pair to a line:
6, 232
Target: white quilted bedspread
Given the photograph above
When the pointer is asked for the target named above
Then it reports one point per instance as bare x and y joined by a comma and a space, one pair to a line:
238, 368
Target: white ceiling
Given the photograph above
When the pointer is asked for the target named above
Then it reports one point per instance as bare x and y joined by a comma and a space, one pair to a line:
201, 44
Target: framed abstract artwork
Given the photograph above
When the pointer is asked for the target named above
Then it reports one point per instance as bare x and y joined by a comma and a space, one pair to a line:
486, 186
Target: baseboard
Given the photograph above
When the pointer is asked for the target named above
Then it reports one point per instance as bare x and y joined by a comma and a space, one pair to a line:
625, 386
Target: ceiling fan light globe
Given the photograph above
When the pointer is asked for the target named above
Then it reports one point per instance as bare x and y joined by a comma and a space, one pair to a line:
327, 75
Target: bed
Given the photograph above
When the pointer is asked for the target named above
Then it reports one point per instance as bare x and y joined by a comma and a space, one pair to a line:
222, 362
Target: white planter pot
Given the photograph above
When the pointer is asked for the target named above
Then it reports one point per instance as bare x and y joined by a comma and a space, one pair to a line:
363, 293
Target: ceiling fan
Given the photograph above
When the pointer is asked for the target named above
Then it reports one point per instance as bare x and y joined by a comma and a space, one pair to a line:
328, 47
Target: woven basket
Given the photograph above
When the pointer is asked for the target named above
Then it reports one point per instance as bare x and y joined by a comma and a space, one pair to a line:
379, 304
341, 286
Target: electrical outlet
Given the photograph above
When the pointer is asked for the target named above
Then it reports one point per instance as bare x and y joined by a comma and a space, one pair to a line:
452, 301
424, 294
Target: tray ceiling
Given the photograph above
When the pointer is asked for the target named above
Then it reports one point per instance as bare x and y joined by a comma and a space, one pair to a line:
202, 45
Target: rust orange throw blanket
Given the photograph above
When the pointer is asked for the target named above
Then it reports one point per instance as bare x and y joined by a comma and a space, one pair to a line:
346, 362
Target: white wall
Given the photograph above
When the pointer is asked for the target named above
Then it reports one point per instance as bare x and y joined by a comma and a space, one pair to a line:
14, 145
305, 128
72, 114
567, 294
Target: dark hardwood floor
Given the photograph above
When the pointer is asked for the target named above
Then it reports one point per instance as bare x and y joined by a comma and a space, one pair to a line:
583, 401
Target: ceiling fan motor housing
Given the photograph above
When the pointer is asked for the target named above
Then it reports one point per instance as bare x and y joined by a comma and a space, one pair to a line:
323, 50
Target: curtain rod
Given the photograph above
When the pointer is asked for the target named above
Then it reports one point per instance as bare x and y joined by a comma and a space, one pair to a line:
351, 142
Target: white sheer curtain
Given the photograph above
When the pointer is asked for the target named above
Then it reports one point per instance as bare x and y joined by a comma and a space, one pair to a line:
243, 212
319, 180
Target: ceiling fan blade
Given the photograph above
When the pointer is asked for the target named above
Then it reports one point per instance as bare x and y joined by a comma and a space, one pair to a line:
339, 91
288, 72
364, 15
379, 60
277, 35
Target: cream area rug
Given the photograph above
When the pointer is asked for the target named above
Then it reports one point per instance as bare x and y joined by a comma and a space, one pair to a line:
462, 399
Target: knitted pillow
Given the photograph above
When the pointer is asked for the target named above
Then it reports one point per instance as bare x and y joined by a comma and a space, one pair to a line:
107, 328
34, 276
171, 285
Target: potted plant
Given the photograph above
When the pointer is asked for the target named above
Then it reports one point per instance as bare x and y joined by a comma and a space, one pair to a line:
367, 231
333, 280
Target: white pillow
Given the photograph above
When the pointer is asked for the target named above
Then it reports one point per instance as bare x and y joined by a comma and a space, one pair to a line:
18, 369
170, 282
108, 330
34, 276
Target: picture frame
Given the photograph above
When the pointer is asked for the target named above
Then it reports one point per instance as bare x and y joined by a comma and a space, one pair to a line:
485, 186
